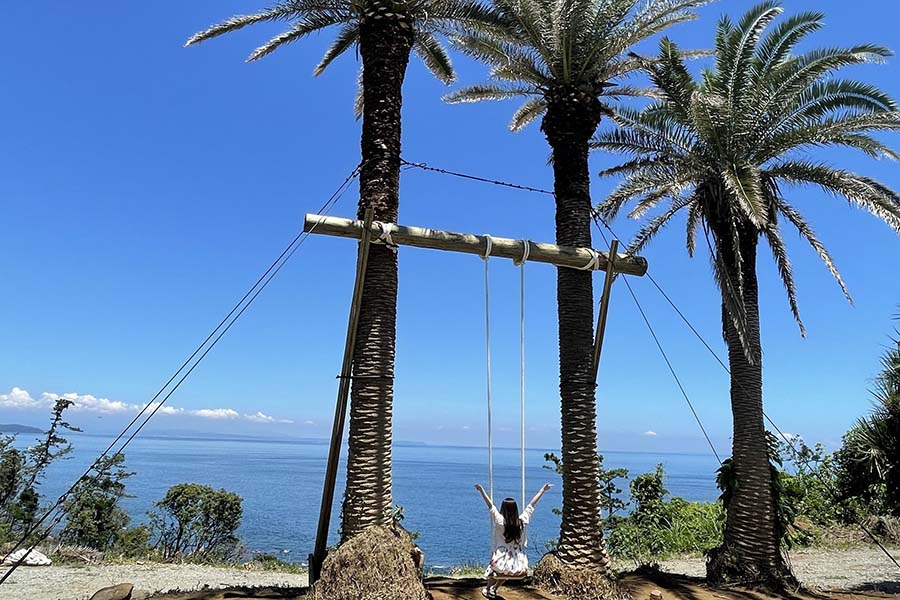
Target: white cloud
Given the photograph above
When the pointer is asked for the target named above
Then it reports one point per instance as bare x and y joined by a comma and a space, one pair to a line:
466, 428
261, 417
89, 403
650, 433
308, 422
18, 398
216, 413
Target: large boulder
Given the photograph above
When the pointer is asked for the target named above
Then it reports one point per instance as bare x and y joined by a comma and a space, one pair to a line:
115, 592
32, 559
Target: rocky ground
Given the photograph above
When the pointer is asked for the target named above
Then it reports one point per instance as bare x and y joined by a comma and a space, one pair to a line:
853, 569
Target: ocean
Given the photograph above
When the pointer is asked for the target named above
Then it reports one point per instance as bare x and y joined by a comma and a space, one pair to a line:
281, 484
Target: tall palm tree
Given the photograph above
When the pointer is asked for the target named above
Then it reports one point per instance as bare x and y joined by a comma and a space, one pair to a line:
564, 58
725, 150
385, 33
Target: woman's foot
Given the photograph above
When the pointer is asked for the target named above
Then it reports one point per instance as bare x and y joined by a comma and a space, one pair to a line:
488, 593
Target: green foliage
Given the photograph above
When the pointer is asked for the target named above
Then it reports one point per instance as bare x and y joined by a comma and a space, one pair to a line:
21, 473
93, 516
659, 527
422, 19
196, 522
133, 542
726, 148
576, 51
869, 460
610, 492
398, 520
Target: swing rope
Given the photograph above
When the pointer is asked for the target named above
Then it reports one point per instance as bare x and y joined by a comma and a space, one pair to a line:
488, 244
526, 250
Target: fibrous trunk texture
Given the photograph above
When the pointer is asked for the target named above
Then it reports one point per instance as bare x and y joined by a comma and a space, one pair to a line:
385, 45
751, 551
568, 126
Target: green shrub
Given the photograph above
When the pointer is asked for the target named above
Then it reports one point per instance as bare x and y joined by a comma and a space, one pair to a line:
658, 528
93, 516
133, 542
196, 522
869, 460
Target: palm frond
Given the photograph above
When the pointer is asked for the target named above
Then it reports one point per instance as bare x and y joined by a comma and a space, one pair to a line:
435, 57
805, 231
300, 29
346, 38
865, 192
779, 251
487, 91
279, 12
528, 112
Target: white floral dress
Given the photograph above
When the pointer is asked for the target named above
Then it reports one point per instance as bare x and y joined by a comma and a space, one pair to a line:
508, 558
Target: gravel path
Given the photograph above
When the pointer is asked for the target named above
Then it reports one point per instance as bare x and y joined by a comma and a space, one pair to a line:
78, 583
854, 568
823, 569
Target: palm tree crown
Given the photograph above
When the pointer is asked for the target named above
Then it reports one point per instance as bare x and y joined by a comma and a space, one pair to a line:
423, 19
558, 50
723, 149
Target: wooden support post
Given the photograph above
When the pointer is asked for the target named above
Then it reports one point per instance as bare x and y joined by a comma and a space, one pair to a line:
611, 268
420, 237
340, 409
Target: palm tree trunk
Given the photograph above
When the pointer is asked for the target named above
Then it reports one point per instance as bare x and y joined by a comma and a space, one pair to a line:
568, 128
751, 550
385, 48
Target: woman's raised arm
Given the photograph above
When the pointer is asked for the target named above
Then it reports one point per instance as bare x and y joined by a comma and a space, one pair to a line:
484, 496
540, 493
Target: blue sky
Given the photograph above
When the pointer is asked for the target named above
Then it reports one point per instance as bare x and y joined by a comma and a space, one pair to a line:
145, 186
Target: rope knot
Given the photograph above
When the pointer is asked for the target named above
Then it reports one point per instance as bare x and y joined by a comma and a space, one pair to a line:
384, 237
594, 263
526, 250
488, 245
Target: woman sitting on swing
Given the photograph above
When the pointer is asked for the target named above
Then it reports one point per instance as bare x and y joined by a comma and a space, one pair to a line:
508, 540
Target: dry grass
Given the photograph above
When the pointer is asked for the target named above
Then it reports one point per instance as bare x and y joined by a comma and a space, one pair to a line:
577, 584
377, 564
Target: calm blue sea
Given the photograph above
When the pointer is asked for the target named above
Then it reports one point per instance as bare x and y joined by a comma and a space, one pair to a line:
281, 483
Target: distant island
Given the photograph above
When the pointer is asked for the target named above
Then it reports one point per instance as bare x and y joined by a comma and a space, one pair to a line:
16, 428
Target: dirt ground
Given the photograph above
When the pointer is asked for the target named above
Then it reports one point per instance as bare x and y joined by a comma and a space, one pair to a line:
863, 570
673, 587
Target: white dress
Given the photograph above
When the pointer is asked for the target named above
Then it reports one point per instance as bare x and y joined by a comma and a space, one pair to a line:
508, 558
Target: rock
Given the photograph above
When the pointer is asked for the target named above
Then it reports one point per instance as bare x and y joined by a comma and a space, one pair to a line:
656, 595
115, 592
34, 559
140, 595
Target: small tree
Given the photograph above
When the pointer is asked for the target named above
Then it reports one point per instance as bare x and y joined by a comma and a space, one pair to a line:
610, 492
93, 515
195, 521
21, 472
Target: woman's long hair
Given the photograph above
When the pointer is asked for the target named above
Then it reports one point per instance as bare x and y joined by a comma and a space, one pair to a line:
512, 524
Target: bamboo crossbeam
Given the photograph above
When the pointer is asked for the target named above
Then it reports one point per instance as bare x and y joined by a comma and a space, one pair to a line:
422, 237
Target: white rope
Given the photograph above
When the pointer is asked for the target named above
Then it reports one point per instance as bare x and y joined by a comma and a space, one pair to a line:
487, 339
521, 264
384, 237
594, 263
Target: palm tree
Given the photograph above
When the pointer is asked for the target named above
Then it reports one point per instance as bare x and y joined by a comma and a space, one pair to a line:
385, 33
870, 457
724, 150
564, 57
